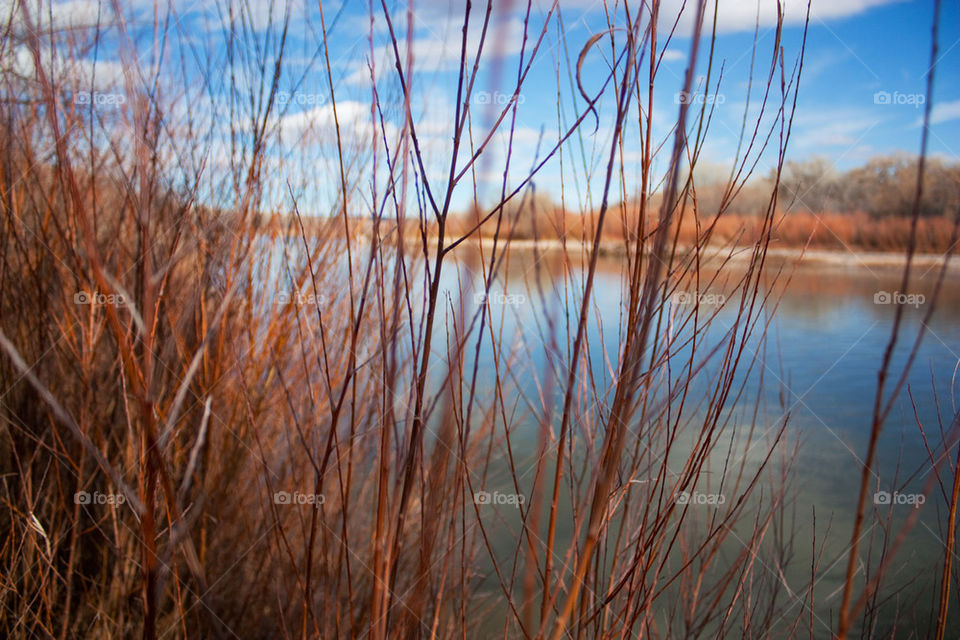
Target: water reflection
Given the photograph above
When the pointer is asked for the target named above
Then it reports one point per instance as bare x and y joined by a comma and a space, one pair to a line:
825, 344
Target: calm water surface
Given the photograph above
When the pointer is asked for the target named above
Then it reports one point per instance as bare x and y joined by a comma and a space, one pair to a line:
823, 352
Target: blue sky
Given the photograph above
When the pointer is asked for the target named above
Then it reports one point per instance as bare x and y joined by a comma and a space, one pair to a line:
861, 92
883, 49
862, 88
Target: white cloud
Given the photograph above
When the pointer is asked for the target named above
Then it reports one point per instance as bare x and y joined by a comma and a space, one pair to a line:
673, 55
76, 74
941, 112
45, 16
817, 128
740, 15
437, 47
316, 125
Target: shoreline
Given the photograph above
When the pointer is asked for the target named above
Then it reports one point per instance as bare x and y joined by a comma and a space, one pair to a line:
829, 257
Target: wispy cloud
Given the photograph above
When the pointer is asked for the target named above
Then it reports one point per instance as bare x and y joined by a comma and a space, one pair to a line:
942, 112
740, 15
832, 128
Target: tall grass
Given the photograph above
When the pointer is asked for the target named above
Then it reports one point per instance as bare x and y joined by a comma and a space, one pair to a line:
289, 418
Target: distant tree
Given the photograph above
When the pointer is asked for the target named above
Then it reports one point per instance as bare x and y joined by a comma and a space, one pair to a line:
886, 186
533, 214
809, 185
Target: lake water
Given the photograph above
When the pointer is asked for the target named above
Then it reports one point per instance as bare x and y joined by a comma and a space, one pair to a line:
823, 351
